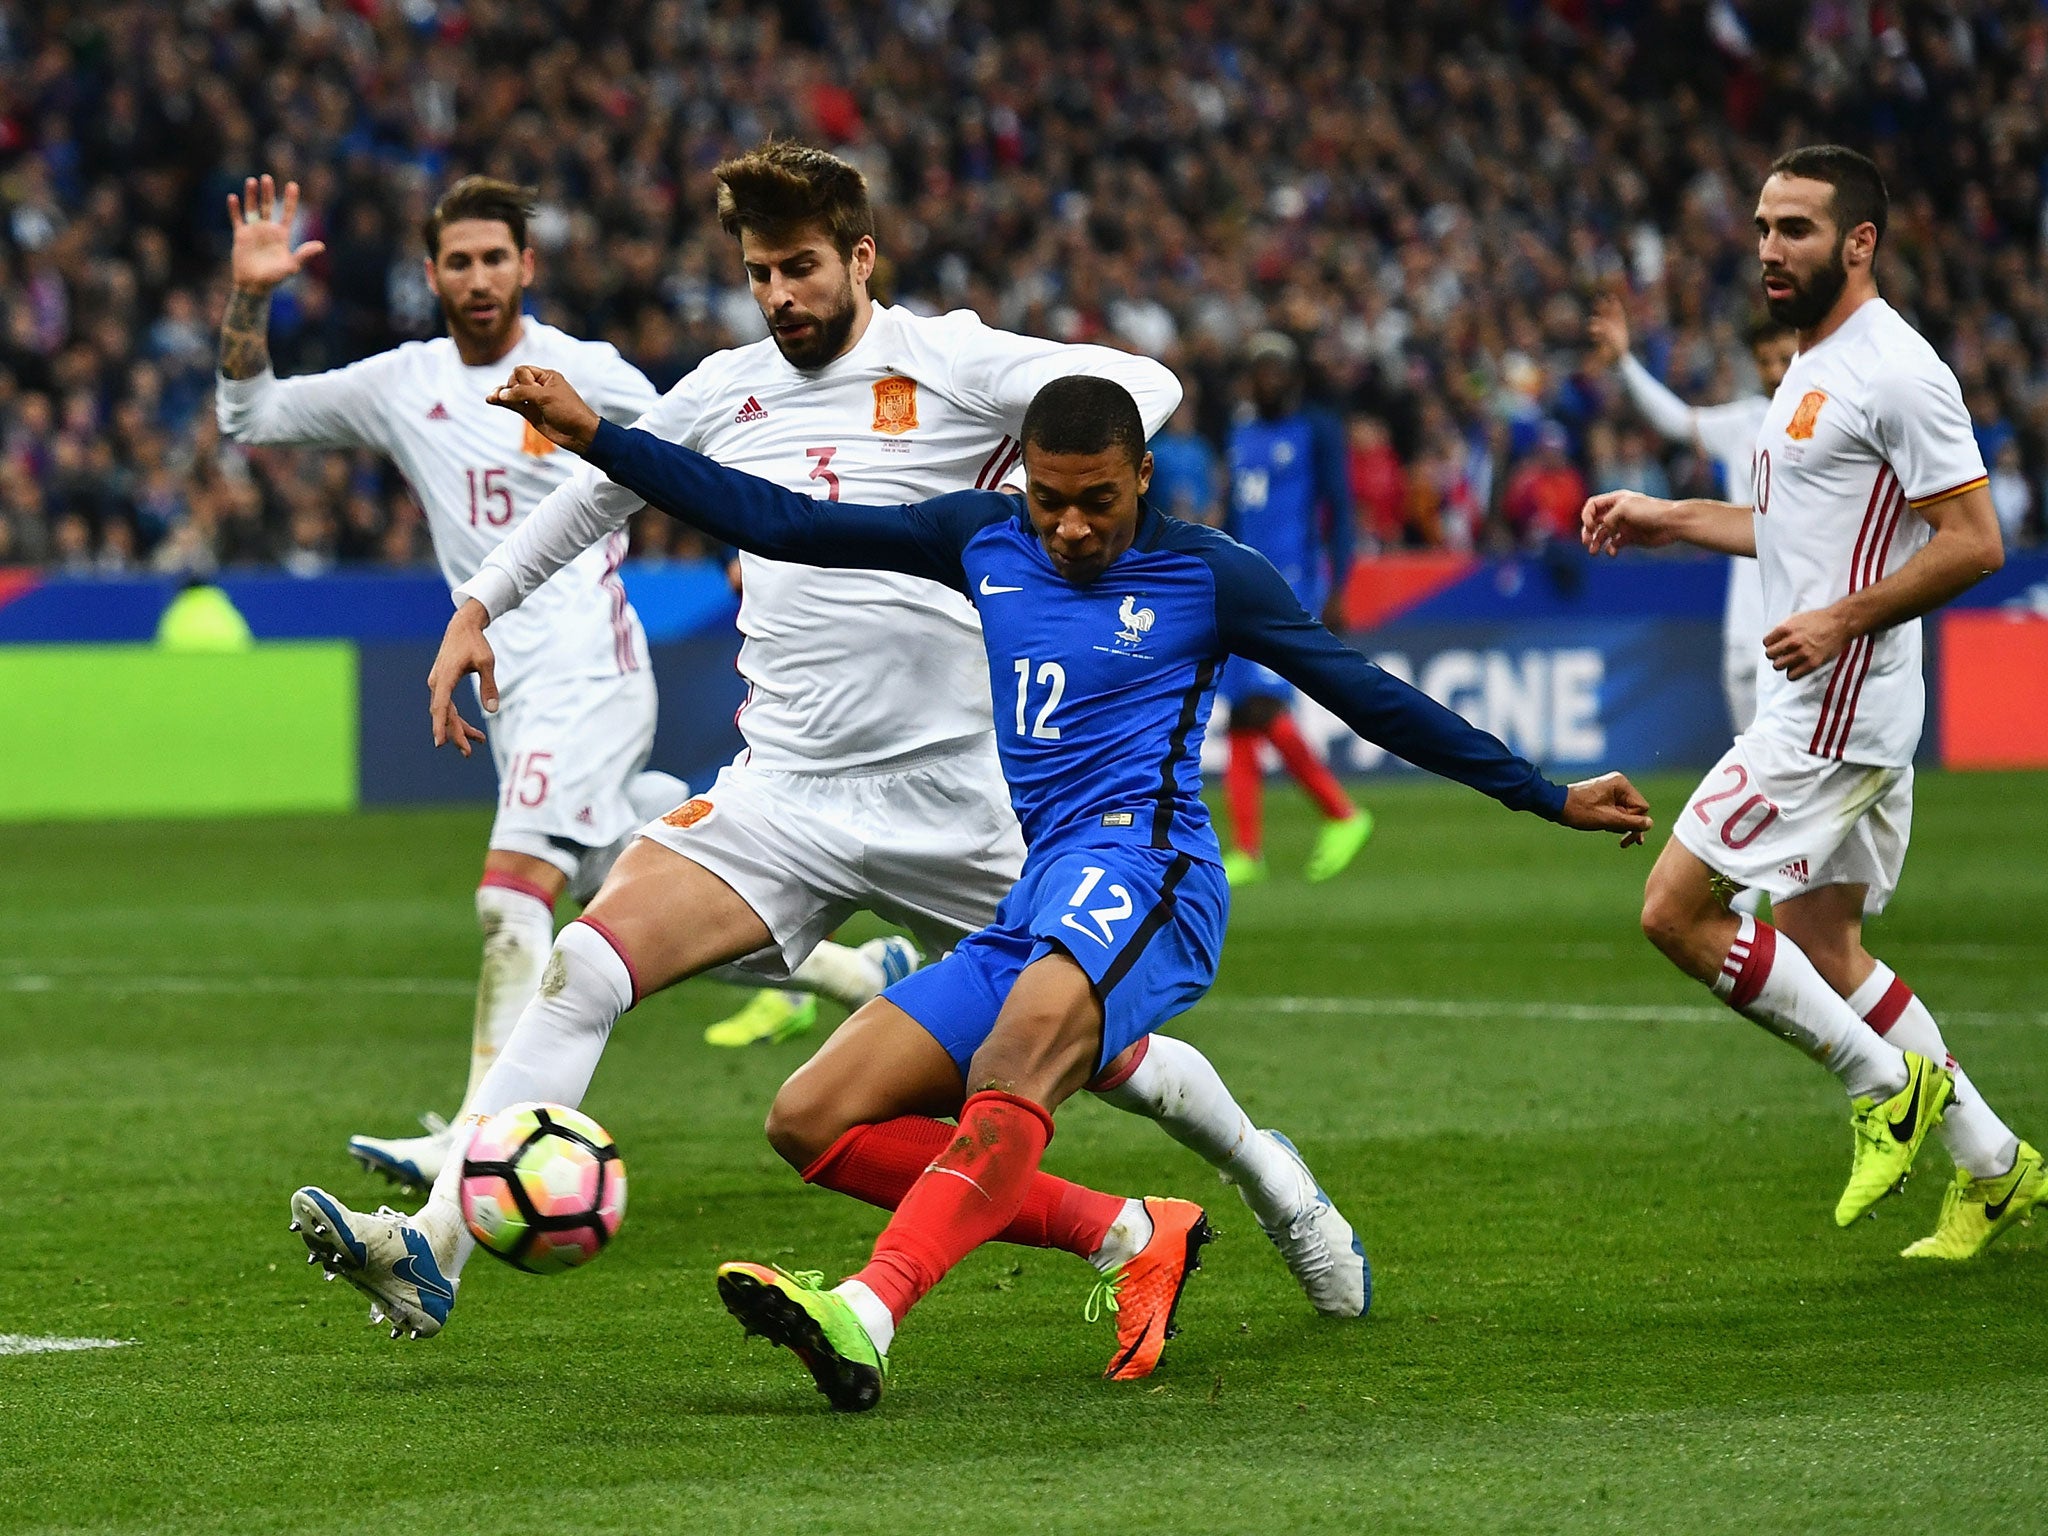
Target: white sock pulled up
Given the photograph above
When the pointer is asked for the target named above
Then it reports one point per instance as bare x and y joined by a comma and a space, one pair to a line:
519, 926
1176, 1086
1976, 1138
551, 1055
845, 975
1769, 981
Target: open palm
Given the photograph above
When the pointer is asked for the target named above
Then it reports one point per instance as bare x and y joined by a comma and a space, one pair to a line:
263, 255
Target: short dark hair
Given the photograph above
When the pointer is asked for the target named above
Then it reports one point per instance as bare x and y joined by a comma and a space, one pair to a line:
784, 186
480, 197
1763, 328
1080, 413
1860, 196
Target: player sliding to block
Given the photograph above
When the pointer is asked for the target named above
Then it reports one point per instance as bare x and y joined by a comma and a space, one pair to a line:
1871, 508
1105, 624
870, 777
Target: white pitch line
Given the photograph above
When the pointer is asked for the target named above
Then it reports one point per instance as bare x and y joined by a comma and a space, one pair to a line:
1567, 1013
384, 986
50, 1344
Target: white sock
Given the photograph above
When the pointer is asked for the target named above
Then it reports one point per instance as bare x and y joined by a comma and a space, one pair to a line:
872, 1314
1175, 1085
1976, 1138
1126, 1238
845, 975
518, 929
1748, 901
550, 1056
1769, 981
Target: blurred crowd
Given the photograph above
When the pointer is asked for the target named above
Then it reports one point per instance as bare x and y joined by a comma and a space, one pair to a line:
1427, 195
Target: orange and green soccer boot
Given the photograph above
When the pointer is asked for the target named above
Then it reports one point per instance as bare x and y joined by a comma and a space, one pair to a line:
1144, 1292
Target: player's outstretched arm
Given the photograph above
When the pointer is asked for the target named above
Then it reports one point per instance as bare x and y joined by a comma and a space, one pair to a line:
1616, 520
1258, 616
920, 539
1966, 547
262, 257
464, 651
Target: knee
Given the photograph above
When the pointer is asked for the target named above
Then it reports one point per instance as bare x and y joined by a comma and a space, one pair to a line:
1667, 922
800, 1126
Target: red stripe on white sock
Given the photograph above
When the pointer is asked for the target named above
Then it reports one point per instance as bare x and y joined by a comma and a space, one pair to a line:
498, 879
1888, 1008
618, 949
1747, 965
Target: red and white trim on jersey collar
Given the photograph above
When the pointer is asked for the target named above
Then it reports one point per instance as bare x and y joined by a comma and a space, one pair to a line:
1968, 485
998, 464
622, 632
1866, 565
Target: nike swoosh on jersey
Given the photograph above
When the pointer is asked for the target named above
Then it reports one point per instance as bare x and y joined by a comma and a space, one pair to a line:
989, 591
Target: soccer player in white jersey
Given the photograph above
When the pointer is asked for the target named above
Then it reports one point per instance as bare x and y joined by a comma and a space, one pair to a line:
577, 701
870, 777
1726, 434
1870, 508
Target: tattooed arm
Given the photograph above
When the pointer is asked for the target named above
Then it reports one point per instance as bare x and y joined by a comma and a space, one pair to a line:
262, 258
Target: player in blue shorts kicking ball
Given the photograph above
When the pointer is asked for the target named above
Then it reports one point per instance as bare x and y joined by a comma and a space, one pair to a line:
1105, 623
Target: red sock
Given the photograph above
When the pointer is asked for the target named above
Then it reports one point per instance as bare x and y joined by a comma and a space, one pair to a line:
1244, 790
879, 1164
1310, 771
971, 1192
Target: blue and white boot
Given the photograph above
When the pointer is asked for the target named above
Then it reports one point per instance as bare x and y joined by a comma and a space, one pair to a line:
1320, 1247
896, 955
385, 1254
410, 1162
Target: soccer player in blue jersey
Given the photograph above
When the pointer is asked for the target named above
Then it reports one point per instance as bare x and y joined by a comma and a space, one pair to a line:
1290, 499
1106, 623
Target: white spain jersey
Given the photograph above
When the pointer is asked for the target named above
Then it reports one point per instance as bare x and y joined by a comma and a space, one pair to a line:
1867, 427
844, 669
477, 469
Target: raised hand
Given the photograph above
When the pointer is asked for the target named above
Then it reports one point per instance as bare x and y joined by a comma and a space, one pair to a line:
551, 404
1608, 329
1607, 804
263, 255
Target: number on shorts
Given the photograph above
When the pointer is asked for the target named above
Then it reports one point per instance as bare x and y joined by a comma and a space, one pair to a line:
1102, 917
526, 781
1733, 831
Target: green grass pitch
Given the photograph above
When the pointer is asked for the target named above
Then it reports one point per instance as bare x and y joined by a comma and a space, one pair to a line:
1610, 1293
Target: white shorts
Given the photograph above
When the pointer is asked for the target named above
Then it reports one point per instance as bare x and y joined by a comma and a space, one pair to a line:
933, 846
567, 753
1776, 817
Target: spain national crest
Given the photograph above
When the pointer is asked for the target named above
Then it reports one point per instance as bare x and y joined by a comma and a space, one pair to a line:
895, 405
689, 813
1800, 427
533, 443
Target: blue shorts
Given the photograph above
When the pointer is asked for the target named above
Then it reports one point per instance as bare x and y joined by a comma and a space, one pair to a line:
1145, 923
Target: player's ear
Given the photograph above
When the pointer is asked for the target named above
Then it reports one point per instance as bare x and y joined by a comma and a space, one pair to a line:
862, 262
1145, 472
433, 277
526, 267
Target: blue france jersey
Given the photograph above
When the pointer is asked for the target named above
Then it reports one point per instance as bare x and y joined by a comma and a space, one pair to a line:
1290, 499
1102, 691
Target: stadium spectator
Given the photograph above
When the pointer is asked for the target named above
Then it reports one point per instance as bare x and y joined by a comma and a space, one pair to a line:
1425, 195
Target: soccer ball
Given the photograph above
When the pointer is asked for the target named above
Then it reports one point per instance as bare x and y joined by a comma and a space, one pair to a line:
543, 1187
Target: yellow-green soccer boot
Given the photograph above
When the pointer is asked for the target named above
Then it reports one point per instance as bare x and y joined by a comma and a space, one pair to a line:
1889, 1133
794, 1310
1975, 1211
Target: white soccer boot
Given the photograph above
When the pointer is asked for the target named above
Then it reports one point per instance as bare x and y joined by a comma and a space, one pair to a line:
410, 1162
384, 1254
1321, 1249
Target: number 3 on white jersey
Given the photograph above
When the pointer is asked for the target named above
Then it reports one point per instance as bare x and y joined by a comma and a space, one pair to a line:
1052, 673
1101, 917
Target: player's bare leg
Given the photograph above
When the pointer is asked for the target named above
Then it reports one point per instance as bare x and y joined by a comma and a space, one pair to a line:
1992, 1189
1765, 975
